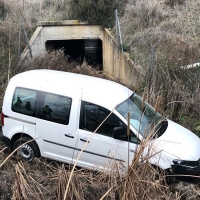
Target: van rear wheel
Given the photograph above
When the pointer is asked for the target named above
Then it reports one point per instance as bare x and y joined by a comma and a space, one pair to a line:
27, 150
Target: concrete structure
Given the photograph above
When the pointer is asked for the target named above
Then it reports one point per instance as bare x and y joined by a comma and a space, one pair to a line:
81, 40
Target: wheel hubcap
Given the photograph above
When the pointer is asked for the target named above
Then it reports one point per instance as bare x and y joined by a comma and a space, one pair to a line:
26, 152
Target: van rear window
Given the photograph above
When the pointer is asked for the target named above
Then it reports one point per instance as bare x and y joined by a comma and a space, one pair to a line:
24, 101
43, 105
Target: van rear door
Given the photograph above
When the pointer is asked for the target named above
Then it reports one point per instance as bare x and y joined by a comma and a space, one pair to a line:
57, 121
69, 137
52, 122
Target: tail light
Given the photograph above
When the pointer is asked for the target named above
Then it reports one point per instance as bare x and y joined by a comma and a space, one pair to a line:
2, 119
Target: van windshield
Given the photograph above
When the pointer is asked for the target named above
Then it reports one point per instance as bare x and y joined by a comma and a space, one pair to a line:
142, 119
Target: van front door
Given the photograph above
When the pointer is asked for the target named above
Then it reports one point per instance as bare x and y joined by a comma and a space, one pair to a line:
102, 150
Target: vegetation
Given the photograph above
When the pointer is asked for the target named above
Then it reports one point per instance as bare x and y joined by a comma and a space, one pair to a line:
97, 12
164, 38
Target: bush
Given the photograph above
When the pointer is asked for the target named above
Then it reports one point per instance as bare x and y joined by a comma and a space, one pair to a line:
173, 3
47, 3
3, 10
96, 12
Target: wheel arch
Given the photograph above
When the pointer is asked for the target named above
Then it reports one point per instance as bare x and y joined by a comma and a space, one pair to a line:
21, 135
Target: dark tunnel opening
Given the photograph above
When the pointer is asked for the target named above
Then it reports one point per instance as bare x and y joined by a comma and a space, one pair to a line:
78, 50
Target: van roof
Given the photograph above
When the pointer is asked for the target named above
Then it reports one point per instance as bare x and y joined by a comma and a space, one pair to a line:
95, 90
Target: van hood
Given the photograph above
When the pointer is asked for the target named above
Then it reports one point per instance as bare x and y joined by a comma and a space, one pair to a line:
178, 143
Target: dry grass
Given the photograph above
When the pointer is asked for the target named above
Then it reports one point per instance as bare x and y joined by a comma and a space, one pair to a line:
45, 179
56, 60
174, 32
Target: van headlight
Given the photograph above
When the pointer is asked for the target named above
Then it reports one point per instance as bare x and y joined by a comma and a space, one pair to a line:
189, 164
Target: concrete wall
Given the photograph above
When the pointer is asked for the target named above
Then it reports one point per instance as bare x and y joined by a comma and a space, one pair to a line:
115, 63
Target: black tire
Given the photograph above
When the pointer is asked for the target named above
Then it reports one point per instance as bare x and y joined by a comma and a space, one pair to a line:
27, 151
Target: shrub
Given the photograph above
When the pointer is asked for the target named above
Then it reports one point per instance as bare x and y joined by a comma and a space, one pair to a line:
96, 12
4, 10
172, 3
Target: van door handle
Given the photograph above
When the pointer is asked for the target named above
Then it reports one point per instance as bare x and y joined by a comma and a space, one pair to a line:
84, 140
70, 136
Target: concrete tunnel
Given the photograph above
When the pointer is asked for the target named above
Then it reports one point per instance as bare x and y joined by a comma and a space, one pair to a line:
79, 49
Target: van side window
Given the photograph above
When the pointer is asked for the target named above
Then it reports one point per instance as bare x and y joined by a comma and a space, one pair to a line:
54, 108
92, 116
24, 101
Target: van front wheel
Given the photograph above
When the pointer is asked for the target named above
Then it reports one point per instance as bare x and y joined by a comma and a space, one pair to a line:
27, 150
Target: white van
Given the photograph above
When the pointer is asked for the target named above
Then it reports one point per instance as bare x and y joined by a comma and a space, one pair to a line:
61, 110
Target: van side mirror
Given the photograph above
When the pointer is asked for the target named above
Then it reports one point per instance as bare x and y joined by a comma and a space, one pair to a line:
120, 133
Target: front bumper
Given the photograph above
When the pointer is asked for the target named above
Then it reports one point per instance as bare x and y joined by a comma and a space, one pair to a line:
5, 140
185, 171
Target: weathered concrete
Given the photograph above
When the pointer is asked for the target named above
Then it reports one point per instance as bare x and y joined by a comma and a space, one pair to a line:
115, 63
60, 31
